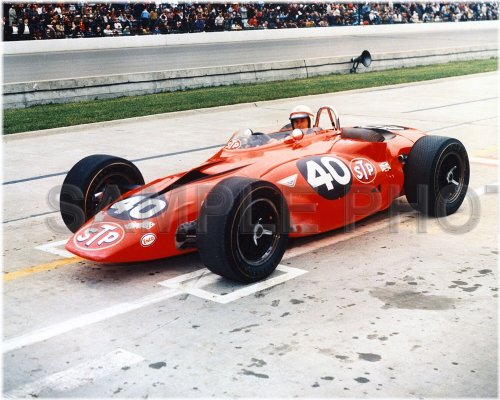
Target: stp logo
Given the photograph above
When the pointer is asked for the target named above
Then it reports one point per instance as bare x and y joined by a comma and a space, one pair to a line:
363, 170
99, 236
233, 144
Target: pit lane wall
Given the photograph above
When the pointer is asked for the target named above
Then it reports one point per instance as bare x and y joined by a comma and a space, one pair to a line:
20, 95
47, 46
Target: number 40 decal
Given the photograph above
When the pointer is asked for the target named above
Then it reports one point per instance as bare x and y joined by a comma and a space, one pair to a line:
328, 176
137, 207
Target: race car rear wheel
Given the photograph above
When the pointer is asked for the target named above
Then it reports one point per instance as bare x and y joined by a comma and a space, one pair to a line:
94, 182
436, 175
243, 229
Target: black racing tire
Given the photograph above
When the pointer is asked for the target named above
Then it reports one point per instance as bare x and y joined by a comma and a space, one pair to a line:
89, 177
242, 229
436, 175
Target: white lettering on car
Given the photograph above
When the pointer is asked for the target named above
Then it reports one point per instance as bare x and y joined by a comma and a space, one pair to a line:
137, 207
329, 176
99, 236
326, 174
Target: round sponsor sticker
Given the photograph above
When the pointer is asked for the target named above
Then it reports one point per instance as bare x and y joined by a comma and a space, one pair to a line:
148, 239
233, 144
99, 236
363, 170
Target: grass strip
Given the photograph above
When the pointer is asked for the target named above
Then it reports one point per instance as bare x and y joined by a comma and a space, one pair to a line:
59, 115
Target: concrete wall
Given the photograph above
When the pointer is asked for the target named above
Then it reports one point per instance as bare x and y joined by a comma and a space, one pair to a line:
20, 95
214, 37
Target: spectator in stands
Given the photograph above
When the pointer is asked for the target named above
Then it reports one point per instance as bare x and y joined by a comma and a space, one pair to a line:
59, 27
191, 22
12, 15
153, 17
145, 18
200, 23
15, 31
253, 23
117, 27
209, 20
219, 22
107, 31
45, 20
88, 33
25, 30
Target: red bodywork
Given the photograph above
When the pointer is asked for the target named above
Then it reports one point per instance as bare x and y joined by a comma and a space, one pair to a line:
142, 224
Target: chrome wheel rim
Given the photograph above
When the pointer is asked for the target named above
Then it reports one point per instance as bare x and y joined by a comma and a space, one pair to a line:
451, 177
258, 232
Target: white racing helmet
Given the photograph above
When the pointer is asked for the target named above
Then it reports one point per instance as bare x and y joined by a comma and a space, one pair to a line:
302, 112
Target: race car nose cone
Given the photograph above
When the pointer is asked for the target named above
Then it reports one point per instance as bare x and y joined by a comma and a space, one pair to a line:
109, 241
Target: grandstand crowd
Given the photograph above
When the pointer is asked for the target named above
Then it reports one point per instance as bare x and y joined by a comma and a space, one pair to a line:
36, 21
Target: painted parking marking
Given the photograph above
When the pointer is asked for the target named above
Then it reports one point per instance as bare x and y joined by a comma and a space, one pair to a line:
84, 320
79, 375
56, 248
491, 188
195, 284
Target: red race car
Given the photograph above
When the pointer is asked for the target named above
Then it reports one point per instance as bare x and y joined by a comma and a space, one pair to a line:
239, 208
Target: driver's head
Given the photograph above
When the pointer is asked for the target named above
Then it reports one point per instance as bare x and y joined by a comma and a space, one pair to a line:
301, 117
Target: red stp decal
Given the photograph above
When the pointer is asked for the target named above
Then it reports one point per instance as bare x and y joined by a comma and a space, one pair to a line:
363, 170
99, 236
233, 144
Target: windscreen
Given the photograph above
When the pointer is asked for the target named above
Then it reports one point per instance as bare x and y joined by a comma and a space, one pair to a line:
246, 138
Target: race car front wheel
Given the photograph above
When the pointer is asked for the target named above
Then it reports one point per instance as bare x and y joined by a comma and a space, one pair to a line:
243, 229
436, 175
94, 182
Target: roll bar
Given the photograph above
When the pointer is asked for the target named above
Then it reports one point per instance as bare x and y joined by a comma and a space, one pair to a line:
332, 113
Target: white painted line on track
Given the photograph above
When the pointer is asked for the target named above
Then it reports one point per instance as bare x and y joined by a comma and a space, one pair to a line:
343, 236
486, 161
487, 189
79, 375
204, 278
373, 227
81, 321
52, 248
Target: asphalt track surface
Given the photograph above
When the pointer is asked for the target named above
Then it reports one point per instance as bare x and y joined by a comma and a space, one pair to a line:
397, 307
68, 64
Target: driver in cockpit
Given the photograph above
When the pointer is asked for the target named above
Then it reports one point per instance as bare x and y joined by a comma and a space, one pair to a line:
301, 117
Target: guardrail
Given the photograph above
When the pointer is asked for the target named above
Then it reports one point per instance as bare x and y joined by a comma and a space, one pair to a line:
20, 95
